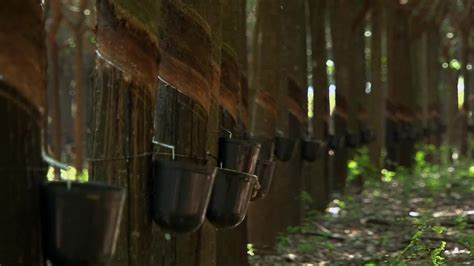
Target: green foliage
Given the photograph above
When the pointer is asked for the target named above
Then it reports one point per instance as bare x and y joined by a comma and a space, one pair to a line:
439, 177
330, 69
417, 248
387, 176
309, 245
70, 174
454, 64
468, 241
428, 242
436, 256
306, 200
361, 165
370, 264
461, 223
339, 203
465, 238
282, 242
250, 250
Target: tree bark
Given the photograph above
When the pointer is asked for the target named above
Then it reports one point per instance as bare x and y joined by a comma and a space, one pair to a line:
319, 181
434, 73
79, 90
343, 21
399, 77
232, 244
208, 243
188, 73
295, 90
358, 95
449, 78
55, 70
122, 126
465, 54
22, 106
266, 46
377, 95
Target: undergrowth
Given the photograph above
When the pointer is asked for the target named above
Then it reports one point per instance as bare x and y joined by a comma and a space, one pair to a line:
429, 177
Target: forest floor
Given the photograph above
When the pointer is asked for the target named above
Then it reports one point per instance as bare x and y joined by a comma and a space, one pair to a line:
420, 217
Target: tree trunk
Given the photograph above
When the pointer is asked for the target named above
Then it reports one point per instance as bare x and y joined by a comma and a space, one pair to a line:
434, 74
79, 91
343, 31
22, 106
188, 73
208, 234
377, 95
55, 72
358, 96
266, 46
295, 82
449, 100
399, 78
127, 70
465, 54
232, 244
318, 182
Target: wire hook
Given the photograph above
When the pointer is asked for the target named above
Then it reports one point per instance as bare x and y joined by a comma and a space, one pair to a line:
50, 160
228, 132
171, 147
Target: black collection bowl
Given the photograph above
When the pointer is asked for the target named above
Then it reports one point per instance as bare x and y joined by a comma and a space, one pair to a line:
335, 142
238, 154
81, 221
311, 149
352, 140
267, 147
367, 136
284, 148
180, 194
230, 198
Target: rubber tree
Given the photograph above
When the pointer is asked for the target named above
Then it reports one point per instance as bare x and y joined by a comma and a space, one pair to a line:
22, 105
400, 76
345, 21
420, 78
232, 244
434, 74
318, 182
358, 95
418, 66
264, 87
377, 95
287, 175
54, 82
450, 80
424, 23
189, 65
294, 88
122, 127
463, 119
78, 29
429, 34
420, 81
208, 234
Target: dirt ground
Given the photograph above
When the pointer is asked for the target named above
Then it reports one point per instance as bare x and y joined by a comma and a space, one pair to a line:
424, 218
